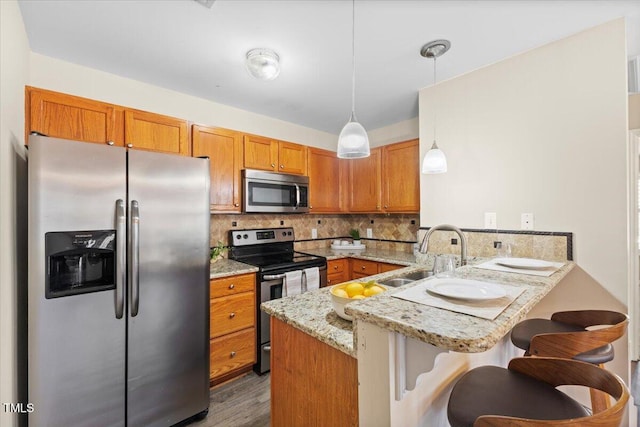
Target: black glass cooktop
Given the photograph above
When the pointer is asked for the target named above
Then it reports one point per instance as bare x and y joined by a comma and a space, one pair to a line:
283, 260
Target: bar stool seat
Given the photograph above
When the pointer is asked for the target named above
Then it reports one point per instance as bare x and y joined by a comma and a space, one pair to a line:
523, 333
571, 335
525, 394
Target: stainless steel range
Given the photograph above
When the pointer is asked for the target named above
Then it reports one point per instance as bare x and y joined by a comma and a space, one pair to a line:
271, 250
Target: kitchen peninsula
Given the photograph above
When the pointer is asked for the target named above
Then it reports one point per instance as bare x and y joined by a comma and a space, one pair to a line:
401, 357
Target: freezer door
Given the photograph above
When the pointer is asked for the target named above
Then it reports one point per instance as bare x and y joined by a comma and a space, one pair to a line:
168, 335
76, 342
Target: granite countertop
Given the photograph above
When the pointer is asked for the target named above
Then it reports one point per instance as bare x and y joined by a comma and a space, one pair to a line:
313, 313
227, 267
380, 255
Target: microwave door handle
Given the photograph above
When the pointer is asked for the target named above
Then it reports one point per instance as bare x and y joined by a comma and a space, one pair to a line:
134, 259
297, 196
121, 260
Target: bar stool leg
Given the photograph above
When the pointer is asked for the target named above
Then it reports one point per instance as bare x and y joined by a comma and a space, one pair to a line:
599, 400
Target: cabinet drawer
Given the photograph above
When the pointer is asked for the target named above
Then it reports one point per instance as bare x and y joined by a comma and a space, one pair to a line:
368, 268
232, 285
231, 352
337, 265
232, 313
335, 278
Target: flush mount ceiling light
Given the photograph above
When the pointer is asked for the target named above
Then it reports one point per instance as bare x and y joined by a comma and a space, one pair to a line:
434, 161
263, 63
353, 142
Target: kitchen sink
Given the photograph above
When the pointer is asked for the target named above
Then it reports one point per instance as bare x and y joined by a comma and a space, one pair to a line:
394, 282
417, 275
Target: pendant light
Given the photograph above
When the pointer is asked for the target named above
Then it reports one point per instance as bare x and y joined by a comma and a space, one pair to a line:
434, 161
353, 142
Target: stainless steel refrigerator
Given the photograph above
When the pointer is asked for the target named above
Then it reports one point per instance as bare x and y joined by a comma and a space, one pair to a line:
118, 285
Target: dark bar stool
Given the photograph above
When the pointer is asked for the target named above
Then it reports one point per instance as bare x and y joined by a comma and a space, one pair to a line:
525, 395
566, 335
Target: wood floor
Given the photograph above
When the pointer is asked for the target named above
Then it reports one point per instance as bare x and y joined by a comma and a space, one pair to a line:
244, 402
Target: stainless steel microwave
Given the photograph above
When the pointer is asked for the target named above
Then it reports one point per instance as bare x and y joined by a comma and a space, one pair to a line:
274, 192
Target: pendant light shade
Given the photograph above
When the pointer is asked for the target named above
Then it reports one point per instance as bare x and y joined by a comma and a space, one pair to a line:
434, 161
353, 142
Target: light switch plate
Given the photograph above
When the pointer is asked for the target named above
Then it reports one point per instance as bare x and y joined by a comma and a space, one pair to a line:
490, 220
314, 233
526, 221
369, 233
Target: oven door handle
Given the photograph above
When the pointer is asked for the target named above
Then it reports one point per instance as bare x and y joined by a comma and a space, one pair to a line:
297, 196
273, 276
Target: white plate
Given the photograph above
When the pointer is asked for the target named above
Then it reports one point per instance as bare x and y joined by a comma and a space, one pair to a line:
473, 290
528, 263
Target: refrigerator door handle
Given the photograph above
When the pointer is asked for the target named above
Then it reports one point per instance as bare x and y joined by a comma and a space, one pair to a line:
134, 258
121, 250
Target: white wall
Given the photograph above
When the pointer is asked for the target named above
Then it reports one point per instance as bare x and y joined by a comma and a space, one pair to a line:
401, 131
14, 71
542, 132
61, 76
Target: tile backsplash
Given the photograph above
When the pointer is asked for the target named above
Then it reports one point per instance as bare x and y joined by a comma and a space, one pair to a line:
396, 232
480, 243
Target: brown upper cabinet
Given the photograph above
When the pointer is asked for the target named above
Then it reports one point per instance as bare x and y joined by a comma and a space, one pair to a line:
327, 178
71, 117
365, 178
386, 181
272, 155
224, 149
154, 132
401, 177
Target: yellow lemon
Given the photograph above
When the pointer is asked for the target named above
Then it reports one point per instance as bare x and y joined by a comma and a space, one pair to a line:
354, 289
372, 290
358, 297
340, 293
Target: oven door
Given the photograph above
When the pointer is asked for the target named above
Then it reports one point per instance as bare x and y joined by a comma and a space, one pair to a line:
273, 192
271, 286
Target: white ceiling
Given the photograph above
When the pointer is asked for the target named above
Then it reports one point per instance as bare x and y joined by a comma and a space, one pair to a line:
181, 45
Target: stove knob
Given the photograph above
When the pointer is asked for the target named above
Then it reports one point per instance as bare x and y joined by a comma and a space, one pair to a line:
288, 233
284, 233
245, 236
238, 236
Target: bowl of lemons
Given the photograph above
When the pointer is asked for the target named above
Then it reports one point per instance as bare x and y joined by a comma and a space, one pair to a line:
343, 294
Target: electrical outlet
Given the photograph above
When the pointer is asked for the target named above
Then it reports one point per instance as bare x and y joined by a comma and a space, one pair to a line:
490, 220
526, 221
314, 233
369, 233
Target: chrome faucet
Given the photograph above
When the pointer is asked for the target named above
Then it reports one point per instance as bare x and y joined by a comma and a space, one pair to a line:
424, 246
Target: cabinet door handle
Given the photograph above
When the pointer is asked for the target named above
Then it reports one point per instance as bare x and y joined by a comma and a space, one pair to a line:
232, 354
385, 206
236, 205
231, 286
273, 165
110, 142
335, 267
363, 267
130, 145
281, 166
232, 315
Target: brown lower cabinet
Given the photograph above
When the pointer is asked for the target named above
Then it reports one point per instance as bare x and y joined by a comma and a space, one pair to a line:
314, 387
345, 269
232, 326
